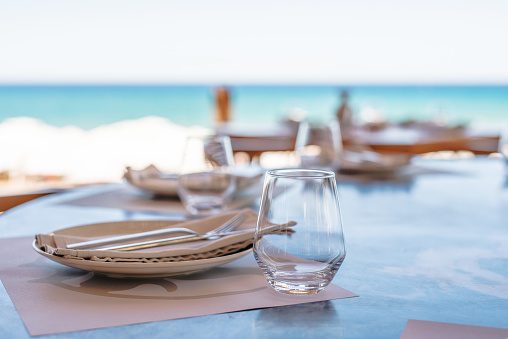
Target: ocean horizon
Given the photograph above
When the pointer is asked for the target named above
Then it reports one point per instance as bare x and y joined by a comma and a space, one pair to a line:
91, 106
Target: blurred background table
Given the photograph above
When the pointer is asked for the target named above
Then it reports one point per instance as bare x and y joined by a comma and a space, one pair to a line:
419, 138
426, 244
410, 138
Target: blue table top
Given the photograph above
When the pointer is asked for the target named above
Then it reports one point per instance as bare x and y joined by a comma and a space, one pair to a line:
430, 243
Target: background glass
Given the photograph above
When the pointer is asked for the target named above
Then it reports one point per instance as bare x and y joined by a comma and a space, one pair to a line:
319, 148
304, 258
205, 183
503, 144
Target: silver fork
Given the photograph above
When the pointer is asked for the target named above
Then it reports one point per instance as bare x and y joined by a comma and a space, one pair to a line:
216, 233
228, 226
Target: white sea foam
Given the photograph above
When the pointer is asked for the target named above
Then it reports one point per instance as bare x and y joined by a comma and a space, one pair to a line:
31, 147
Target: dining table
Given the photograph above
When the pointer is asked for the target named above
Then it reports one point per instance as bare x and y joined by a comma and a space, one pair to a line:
428, 242
410, 138
420, 138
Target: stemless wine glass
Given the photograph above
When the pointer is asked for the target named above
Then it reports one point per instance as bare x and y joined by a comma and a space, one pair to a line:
206, 184
319, 148
503, 145
299, 243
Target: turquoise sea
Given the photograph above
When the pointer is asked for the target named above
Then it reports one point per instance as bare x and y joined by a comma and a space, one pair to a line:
91, 106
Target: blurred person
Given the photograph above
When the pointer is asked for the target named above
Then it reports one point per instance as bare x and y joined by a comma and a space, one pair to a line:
222, 105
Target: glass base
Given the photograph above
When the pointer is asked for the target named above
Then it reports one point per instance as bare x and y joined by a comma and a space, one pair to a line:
299, 283
204, 206
297, 276
299, 288
204, 211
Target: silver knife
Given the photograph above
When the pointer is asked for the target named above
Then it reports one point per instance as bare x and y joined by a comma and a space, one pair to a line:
120, 238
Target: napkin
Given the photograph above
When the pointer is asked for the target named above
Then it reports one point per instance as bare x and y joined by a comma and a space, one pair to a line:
55, 243
152, 179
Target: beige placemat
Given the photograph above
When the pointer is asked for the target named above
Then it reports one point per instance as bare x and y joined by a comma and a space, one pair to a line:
132, 199
52, 298
420, 329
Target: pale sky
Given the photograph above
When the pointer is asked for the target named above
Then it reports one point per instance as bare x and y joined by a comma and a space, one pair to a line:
243, 41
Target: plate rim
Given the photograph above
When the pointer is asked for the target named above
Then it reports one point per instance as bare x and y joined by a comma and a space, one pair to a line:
143, 264
141, 269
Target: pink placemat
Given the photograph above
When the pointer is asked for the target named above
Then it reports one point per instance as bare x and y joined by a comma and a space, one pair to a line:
420, 329
52, 298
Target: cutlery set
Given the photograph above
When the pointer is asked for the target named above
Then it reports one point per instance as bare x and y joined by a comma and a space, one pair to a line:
224, 230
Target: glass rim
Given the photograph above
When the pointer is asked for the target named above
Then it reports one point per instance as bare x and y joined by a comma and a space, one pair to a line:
301, 173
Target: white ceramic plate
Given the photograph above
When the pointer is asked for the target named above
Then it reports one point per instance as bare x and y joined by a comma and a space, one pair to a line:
144, 270
153, 181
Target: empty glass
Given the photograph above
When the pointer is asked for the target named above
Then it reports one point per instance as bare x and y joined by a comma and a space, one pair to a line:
299, 243
319, 148
503, 144
205, 184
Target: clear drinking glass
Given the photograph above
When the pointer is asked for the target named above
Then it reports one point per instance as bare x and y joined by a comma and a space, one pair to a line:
206, 184
299, 243
503, 144
319, 148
